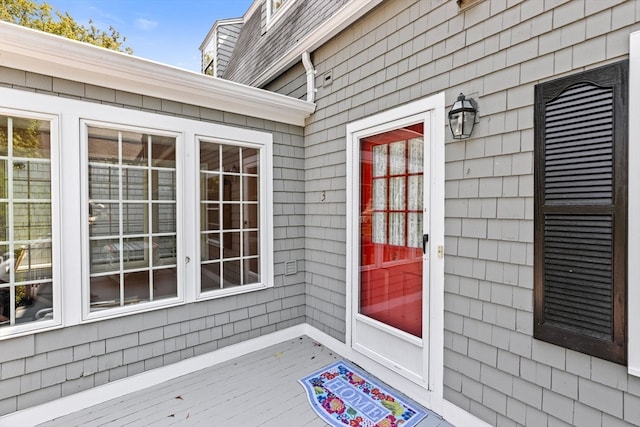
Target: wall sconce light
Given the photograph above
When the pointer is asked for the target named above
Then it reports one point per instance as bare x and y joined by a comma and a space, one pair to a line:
462, 117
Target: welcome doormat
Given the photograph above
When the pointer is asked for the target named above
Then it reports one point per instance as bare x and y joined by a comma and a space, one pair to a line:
342, 395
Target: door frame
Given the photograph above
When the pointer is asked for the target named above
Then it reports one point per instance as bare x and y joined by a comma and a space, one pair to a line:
431, 110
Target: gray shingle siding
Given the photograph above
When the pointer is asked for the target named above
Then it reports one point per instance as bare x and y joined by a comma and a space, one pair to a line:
44, 366
258, 47
496, 52
402, 51
226, 42
292, 83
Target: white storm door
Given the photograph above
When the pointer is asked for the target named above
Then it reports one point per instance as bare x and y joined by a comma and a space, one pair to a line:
395, 235
391, 290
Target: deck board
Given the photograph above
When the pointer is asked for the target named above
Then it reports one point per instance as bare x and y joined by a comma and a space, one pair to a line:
256, 389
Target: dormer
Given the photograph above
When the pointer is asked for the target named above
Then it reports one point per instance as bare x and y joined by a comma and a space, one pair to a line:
218, 45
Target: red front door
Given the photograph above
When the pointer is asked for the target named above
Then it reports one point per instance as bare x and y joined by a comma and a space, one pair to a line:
391, 228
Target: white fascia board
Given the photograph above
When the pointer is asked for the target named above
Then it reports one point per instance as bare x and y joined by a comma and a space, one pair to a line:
347, 15
34, 51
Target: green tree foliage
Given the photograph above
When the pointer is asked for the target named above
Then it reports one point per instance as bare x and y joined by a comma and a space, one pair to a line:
38, 15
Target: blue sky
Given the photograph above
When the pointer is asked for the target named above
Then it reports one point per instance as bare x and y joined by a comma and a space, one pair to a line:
167, 31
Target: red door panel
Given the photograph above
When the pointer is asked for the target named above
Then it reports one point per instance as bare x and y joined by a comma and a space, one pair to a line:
391, 228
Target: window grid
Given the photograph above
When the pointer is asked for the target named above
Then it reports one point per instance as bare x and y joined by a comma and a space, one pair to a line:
26, 268
400, 197
218, 255
128, 238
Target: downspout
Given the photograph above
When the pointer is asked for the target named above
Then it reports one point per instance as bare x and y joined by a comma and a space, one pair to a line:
311, 77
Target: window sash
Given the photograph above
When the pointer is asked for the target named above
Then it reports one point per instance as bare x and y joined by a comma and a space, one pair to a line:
29, 237
132, 236
233, 217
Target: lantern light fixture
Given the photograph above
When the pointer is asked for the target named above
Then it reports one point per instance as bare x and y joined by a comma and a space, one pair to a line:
462, 117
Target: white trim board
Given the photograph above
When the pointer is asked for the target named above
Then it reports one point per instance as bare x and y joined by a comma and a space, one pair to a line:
633, 226
26, 49
85, 399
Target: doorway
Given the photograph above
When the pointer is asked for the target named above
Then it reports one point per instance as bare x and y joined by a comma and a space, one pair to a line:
395, 238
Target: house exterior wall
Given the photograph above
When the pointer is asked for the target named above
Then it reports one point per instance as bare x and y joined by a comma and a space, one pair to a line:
259, 44
218, 46
43, 366
494, 52
226, 41
292, 83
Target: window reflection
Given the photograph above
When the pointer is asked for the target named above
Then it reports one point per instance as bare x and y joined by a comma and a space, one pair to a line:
26, 255
229, 216
132, 217
391, 228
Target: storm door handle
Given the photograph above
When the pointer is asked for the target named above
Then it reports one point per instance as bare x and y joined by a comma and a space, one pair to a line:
425, 239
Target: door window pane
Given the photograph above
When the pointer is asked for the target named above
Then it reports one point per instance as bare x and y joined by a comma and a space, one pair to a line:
416, 155
397, 158
380, 160
397, 194
391, 171
415, 193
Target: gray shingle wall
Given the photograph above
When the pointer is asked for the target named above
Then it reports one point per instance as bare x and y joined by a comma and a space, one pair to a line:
227, 39
45, 366
291, 83
258, 47
494, 52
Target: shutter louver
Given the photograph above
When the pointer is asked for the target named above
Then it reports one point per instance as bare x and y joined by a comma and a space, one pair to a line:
580, 211
579, 146
578, 279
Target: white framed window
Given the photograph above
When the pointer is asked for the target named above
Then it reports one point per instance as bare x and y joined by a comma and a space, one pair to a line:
132, 222
100, 212
277, 8
235, 217
29, 276
633, 227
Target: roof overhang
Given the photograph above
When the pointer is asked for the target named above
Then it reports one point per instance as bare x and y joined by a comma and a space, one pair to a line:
35, 51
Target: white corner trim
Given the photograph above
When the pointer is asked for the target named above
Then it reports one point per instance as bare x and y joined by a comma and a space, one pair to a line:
459, 417
35, 51
347, 15
633, 227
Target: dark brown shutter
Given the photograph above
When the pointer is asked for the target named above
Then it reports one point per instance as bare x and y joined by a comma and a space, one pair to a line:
581, 211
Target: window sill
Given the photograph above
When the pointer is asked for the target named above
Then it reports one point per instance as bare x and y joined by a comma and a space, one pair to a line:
220, 293
127, 310
29, 329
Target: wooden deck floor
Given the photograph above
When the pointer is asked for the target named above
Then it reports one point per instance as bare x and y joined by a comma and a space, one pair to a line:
257, 389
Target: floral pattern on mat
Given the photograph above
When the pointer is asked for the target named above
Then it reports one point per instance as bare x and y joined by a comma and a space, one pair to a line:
343, 396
